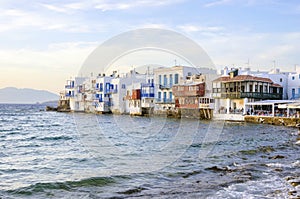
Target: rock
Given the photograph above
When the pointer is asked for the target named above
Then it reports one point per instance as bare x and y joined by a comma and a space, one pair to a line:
50, 108
277, 157
292, 193
295, 184
289, 178
278, 169
266, 149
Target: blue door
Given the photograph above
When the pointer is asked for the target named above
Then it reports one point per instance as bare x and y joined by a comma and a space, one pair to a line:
293, 93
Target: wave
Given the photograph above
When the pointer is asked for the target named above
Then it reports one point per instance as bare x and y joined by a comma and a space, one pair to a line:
56, 138
65, 186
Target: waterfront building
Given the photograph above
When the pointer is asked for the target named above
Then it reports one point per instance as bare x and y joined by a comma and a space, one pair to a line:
73, 91
127, 83
102, 95
165, 78
275, 75
233, 91
294, 85
148, 95
134, 93
134, 99
190, 98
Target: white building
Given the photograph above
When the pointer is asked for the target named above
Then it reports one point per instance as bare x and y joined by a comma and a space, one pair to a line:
73, 91
125, 85
102, 87
293, 85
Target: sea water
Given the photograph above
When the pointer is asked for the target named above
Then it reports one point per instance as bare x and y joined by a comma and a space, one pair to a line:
76, 155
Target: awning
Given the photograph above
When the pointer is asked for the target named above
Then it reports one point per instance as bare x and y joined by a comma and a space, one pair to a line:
290, 106
270, 102
283, 106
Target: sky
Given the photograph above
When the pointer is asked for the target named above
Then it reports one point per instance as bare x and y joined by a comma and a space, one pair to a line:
43, 43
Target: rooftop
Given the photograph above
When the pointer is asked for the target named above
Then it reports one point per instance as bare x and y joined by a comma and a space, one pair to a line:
239, 78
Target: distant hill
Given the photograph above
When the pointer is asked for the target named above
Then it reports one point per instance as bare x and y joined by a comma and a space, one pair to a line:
13, 95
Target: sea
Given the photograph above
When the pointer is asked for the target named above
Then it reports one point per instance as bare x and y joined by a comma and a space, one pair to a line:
77, 155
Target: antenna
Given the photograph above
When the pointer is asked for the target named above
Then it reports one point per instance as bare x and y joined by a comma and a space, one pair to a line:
274, 65
248, 63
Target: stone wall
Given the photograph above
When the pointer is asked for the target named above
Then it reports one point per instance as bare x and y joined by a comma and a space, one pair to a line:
283, 121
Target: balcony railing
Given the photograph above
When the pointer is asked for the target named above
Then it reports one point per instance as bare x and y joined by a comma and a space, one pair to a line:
165, 86
147, 95
167, 101
69, 95
147, 85
69, 86
255, 95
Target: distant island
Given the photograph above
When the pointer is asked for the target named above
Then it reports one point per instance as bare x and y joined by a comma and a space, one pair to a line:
12, 95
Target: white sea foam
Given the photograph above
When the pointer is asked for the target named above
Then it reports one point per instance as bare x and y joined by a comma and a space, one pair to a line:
279, 165
273, 187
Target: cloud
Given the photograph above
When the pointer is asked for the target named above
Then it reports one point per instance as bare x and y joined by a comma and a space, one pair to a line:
217, 3
249, 3
152, 25
195, 28
15, 19
106, 5
55, 8
260, 48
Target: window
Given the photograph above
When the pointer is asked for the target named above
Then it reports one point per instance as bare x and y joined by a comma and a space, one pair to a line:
189, 74
171, 79
176, 79
159, 96
165, 96
151, 90
242, 89
101, 87
180, 88
281, 79
293, 77
123, 86
170, 96
107, 87
165, 80
159, 77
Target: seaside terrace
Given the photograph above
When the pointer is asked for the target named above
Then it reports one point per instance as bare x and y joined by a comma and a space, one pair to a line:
246, 86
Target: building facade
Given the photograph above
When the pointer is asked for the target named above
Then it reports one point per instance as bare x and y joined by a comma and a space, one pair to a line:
232, 92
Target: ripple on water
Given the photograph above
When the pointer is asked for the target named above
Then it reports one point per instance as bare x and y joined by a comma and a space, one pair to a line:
39, 147
67, 186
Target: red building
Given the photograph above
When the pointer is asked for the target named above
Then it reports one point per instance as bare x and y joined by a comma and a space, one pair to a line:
187, 96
